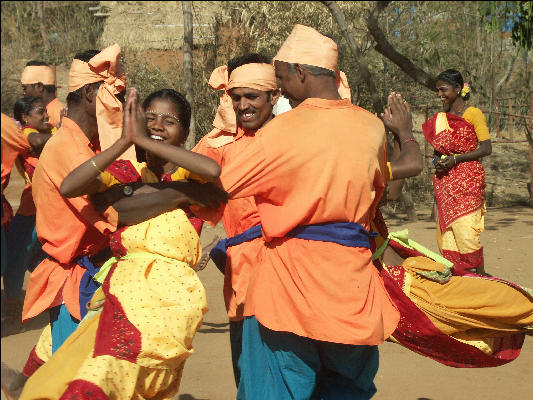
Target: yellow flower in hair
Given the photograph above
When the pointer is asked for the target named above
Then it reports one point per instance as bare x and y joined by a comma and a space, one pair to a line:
465, 90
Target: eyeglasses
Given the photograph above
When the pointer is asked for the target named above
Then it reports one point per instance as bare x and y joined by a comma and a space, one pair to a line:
152, 115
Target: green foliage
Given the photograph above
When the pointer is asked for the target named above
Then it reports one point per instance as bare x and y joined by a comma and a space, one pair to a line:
516, 16
522, 32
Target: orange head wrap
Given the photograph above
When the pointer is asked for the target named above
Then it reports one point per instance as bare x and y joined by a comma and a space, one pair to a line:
305, 45
104, 67
258, 76
38, 73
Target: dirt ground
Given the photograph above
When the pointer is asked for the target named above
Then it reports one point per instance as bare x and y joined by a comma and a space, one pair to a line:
402, 375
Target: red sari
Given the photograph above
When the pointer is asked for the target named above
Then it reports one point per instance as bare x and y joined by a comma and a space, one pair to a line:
459, 192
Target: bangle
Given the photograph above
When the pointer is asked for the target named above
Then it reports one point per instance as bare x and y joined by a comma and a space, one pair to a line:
96, 167
408, 140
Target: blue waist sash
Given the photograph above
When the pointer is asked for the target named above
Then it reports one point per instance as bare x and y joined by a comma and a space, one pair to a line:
87, 284
350, 234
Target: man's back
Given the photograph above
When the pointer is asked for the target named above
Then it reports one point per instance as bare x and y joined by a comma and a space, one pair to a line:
322, 162
325, 161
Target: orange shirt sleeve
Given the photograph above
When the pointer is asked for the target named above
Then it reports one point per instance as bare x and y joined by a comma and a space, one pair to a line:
13, 144
66, 162
245, 178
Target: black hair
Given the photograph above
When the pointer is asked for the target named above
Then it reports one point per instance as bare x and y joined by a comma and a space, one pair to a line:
23, 106
454, 78
314, 70
38, 63
252, 58
75, 96
179, 100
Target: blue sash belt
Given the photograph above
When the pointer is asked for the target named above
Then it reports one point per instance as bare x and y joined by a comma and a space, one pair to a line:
350, 234
87, 285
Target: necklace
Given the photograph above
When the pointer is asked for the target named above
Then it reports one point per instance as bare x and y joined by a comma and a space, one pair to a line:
170, 172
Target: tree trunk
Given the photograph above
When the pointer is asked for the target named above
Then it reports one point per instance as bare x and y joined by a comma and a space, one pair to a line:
384, 47
338, 16
188, 77
40, 13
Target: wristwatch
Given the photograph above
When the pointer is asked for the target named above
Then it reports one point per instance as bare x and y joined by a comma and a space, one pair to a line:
127, 190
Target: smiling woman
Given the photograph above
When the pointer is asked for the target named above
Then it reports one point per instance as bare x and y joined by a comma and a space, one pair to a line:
460, 138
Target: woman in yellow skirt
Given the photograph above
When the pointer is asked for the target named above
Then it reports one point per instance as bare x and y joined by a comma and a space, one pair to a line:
460, 138
134, 342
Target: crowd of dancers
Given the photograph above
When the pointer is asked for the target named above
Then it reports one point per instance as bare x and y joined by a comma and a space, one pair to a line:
110, 218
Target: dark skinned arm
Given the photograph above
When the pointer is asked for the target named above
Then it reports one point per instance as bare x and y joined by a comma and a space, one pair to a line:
37, 141
152, 199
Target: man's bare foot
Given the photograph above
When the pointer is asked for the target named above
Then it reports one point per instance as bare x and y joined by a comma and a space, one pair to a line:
12, 382
205, 254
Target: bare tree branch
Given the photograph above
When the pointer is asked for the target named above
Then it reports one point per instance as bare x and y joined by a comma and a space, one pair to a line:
338, 16
384, 47
188, 83
507, 74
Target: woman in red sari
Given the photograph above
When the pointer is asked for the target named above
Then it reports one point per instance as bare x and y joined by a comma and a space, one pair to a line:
460, 138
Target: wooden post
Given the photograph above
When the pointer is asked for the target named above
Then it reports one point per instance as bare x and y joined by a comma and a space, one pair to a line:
426, 145
510, 127
530, 154
188, 76
40, 13
498, 131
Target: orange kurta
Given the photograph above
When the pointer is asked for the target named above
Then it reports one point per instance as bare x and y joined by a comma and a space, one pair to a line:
239, 215
13, 144
67, 228
54, 111
324, 161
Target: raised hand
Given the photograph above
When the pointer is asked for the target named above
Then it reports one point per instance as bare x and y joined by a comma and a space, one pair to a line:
128, 128
397, 117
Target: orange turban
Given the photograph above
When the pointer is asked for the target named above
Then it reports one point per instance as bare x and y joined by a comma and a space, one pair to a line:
38, 73
104, 67
258, 76
305, 45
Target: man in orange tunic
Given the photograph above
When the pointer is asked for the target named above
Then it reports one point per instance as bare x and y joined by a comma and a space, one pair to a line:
13, 144
39, 79
316, 307
250, 92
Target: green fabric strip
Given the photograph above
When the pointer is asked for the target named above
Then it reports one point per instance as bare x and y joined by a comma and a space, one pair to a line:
402, 237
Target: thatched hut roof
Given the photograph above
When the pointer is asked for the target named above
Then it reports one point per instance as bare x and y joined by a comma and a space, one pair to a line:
142, 25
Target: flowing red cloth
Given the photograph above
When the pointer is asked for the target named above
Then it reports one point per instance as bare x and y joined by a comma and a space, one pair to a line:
416, 332
461, 190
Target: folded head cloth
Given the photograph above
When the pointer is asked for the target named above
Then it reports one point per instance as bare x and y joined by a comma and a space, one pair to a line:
104, 67
38, 73
258, 76
307, 46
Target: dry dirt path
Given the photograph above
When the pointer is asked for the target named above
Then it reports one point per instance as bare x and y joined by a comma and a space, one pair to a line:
403, 375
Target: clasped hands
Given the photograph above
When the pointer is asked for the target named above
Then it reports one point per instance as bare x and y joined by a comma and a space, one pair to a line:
134, 121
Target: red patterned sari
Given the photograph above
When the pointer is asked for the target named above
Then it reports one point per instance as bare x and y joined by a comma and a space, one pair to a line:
459, 192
